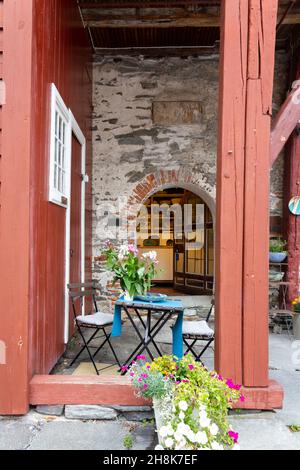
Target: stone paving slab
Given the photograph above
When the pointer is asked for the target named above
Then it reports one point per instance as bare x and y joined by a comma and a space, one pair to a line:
264, 433
15, 434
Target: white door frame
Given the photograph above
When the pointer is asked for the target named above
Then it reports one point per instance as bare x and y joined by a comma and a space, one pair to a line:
74, 129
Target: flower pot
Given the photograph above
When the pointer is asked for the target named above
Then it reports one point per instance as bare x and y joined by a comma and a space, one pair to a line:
162, 409
277, 257
296, 325
128, 297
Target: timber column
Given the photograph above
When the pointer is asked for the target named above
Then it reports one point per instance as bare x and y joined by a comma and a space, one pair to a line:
248, 29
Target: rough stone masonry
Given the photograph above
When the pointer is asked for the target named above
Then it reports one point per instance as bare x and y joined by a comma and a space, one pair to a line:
129, 145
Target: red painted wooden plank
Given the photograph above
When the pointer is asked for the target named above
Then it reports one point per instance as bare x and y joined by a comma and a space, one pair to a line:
230, 186
15, 207
291, 189
89, 390
262, 398
262, 24
285, 122
1, 13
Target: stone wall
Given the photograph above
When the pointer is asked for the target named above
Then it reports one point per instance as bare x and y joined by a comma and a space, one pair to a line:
130, 149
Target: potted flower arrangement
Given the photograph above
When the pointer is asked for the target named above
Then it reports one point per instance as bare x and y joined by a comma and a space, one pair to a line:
134, 272
296, 318
277, 252
190, 403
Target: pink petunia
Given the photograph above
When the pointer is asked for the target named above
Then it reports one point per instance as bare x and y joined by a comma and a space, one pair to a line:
141, 358
191, 367
145, 386
234, 436
144, 376
124, 368
242, 398
178, 382
185, 381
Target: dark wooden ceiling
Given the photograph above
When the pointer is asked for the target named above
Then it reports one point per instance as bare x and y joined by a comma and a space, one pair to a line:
179, 26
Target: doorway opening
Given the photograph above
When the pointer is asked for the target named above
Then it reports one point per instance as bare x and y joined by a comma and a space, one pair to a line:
178, 225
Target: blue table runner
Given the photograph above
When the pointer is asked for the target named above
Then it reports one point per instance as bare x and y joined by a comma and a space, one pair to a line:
177, 346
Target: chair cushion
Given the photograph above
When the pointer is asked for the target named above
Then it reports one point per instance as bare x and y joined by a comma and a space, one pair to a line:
197, 328
97, 319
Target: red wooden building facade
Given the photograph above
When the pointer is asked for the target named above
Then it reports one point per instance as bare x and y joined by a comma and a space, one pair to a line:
44, 43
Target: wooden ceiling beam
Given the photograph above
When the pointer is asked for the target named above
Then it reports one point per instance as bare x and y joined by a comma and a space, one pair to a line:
175, 19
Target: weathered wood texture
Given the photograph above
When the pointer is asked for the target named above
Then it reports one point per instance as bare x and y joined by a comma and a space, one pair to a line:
247, 64
291, 189
285, 122
92, 390
61, 54
87, 390
15, 205
262, 27
230, 189
44, 42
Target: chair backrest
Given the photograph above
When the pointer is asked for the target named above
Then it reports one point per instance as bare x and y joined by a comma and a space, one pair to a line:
212, 304
78, 291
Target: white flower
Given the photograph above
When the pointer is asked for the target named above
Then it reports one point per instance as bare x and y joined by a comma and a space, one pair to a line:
216, 446
183, 428
164, 431
183, 405
123, 251
159, 447
169, 442
180, 444
191, 436
201, 437
178, 436
204, 420
181, 415
152, 255
214, 429
170, 430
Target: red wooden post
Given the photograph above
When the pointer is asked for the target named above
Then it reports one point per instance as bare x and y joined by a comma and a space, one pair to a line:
262, 27
230, 188
15, 206
247, 62
292, 188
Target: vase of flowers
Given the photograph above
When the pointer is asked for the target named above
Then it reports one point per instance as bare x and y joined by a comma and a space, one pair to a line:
190, 403
134, 272
296, 318
277, 250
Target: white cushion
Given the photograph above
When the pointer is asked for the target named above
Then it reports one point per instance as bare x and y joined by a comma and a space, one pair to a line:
97, 319
197, 328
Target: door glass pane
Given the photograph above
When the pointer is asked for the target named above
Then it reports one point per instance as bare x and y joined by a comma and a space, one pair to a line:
179, 262
210, 251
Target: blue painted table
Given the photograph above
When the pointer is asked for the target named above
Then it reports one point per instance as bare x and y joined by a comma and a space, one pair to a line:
151, 327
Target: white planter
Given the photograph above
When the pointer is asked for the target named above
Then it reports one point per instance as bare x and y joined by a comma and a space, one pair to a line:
159, 419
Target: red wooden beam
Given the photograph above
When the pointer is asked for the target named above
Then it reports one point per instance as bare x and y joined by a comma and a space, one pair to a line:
230, 189
285, 122
15, 207
88, 390
261, 53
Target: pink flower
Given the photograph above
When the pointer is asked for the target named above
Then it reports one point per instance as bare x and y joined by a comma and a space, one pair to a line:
230, 383
220, 377
124, 368
234, 436
146, 386
191, 367
185, 381
132, 249
148, 367
242, 398
144, 376
141, 358
178, 382
140, 379
131, 374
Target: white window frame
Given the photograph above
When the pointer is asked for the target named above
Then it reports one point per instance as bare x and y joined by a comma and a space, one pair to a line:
58, 106
75, 129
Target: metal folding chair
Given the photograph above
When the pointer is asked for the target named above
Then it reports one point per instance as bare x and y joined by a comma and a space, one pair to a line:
198, 331
95, 320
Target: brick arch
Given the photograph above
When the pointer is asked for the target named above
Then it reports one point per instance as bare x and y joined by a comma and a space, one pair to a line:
163, 179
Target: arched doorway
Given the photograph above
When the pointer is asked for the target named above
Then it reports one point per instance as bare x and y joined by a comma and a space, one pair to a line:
178, 225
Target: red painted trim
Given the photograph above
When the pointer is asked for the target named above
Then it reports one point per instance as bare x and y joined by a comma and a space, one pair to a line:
285, 122
88, 390
15, 206
262, 398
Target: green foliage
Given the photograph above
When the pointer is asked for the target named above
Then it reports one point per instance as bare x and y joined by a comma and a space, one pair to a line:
202, 392
294, 427
128, 442
277, 245
134, 272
